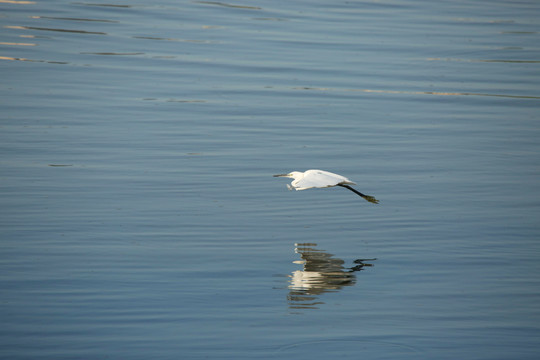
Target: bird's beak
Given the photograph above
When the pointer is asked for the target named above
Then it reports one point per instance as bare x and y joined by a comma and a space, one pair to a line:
281, 175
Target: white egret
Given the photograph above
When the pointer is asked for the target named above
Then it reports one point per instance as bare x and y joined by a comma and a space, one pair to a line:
321, 179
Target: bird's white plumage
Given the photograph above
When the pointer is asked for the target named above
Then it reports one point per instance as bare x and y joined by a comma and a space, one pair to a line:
318, 179
315, 179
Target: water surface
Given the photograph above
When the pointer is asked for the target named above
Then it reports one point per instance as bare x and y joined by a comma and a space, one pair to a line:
139, 215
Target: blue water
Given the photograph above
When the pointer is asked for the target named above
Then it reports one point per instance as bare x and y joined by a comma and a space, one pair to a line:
138, 213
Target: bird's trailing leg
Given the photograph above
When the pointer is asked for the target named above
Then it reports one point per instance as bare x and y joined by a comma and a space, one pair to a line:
371, 199
290, 187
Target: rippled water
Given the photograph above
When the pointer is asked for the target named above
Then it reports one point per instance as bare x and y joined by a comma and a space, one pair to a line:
140, 219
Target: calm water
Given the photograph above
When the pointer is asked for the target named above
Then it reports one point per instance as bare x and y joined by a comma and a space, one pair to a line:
139, 218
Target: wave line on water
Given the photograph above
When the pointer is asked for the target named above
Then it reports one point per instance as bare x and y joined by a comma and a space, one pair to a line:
31, 60
440, 93
51, 29
17, 2
487, 60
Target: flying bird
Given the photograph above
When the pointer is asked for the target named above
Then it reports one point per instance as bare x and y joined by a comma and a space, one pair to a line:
321, 179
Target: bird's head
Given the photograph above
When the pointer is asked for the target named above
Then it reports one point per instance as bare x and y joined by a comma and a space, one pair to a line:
293, 175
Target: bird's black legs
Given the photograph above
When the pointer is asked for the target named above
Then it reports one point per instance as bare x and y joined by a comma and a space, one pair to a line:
371, 199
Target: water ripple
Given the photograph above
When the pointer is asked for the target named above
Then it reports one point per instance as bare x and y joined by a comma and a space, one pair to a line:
52, 29
439, 93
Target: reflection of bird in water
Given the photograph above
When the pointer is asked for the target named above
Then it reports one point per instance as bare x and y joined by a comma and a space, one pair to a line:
321, 273
321, 179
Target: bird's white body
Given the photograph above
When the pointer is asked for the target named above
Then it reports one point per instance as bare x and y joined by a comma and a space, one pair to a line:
316, 179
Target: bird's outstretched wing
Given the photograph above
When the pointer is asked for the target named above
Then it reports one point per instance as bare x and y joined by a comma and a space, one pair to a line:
320, 179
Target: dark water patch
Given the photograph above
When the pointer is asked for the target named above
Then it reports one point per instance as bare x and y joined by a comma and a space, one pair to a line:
74, 19
236, 6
